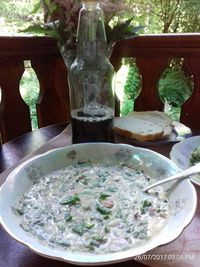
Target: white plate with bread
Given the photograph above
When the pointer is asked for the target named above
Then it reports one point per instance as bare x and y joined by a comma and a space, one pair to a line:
147, 127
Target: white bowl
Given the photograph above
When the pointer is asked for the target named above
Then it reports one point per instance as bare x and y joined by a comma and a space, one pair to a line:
182, 198
181, 152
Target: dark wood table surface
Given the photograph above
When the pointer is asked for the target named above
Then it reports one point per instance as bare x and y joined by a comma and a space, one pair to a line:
14, 254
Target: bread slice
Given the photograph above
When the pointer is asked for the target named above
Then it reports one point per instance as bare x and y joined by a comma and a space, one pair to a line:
136, 128
156, 117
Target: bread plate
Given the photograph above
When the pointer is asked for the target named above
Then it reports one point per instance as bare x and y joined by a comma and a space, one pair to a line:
181, 197
181, 152
179, 133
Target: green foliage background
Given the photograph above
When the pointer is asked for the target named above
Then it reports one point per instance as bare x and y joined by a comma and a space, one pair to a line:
16, 15
131, 89
29, 89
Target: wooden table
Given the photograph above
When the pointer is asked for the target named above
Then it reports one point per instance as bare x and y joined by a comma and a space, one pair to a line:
14, 254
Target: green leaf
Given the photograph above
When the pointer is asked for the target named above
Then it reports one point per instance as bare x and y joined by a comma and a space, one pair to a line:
36, 8
46, 30
35, 29
121, 26
53, 8
47, 2
137, 28
122, 30
50, 6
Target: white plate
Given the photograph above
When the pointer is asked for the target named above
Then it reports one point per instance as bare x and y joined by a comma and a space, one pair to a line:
181, 152
182, 199
179, 133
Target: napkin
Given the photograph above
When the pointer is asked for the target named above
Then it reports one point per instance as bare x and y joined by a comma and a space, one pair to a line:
182, 252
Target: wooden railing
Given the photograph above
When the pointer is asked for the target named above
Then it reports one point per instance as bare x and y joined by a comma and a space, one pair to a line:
52, 104
152, 52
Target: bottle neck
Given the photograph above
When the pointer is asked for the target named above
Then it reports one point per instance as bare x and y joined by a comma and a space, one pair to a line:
91, 36
90, 4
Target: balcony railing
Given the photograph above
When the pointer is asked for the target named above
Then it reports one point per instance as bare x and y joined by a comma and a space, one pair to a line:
152, 52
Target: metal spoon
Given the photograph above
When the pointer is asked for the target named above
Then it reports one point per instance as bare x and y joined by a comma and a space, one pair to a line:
179, 176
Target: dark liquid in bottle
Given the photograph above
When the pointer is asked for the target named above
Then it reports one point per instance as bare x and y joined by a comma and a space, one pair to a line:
95, 130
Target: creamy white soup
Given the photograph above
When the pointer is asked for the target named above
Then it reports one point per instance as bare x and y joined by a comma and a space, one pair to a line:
95, 208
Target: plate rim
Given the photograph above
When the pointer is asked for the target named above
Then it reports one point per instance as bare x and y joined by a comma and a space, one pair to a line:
171, 154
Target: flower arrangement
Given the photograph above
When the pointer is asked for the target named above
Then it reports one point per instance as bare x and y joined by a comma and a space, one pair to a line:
61, 18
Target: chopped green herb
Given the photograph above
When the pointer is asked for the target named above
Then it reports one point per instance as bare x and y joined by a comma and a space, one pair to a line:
78, 229
68, 217
89, 225
103, 210
104, 196
63, 244
86, 162
19, 211
25, 227
146, 204
98, 238
70, 200
106, 217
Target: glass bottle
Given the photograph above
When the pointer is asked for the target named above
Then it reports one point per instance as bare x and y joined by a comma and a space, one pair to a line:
91, 79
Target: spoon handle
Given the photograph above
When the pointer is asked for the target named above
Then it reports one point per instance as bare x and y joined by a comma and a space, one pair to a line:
179, 176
